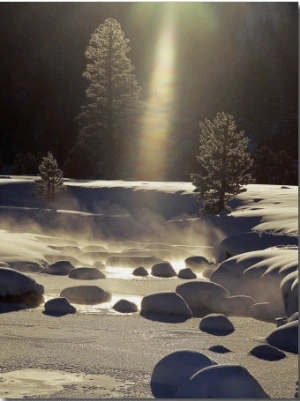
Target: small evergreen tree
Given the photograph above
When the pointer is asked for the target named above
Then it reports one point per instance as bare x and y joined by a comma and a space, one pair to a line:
51, 183
224, 164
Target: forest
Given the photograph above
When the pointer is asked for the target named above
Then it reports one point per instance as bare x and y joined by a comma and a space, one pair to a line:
240, 58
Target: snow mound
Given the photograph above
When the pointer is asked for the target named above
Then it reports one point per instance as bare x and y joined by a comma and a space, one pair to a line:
285, 337
221, 381
203, 296
58, 306
140, 271
198, 263
125, 306
60, 268
265, 311
165, 303
216, 324
16, 287
163, 269
219, 349
289, 292
175, 368
186, 274
25, 266
86, 273
238, 305
250, 241
130, 261
267, 352
259, 274
86, 294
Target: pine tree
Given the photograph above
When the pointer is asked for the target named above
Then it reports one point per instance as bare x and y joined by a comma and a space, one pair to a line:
51, 183
224, 164
113, 92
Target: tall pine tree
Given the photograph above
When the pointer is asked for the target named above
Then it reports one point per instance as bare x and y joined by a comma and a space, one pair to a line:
224, 164
113, 94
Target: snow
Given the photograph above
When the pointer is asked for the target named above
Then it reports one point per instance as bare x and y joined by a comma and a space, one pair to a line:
100, 221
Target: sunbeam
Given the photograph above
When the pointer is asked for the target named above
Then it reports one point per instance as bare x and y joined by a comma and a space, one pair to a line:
157, 116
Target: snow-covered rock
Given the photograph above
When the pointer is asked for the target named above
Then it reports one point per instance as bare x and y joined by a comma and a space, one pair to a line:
51, 259
221, 381
258, 274
86, 273
165, 303
198, 263
94, 248
238, 305
219, 349
216, 324
163, 269
293, 317
4, 264
59, 306
25, 266
99, 265
175, 368
250, 241
140, 271
207, 272
285, 337
267, 352
289, 292
125, 306
186, 274
203, 295
92, 257
16, 287
60, 268
265, 311
131, 261
86, 294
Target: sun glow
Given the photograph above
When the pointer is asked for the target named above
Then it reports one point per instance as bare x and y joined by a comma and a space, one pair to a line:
159, 106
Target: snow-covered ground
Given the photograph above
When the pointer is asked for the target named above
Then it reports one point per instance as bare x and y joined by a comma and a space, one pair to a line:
124, 224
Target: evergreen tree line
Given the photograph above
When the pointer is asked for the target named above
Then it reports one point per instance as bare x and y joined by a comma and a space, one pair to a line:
109, 120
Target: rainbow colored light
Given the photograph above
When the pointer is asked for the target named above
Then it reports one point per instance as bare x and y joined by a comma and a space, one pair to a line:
159, 105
